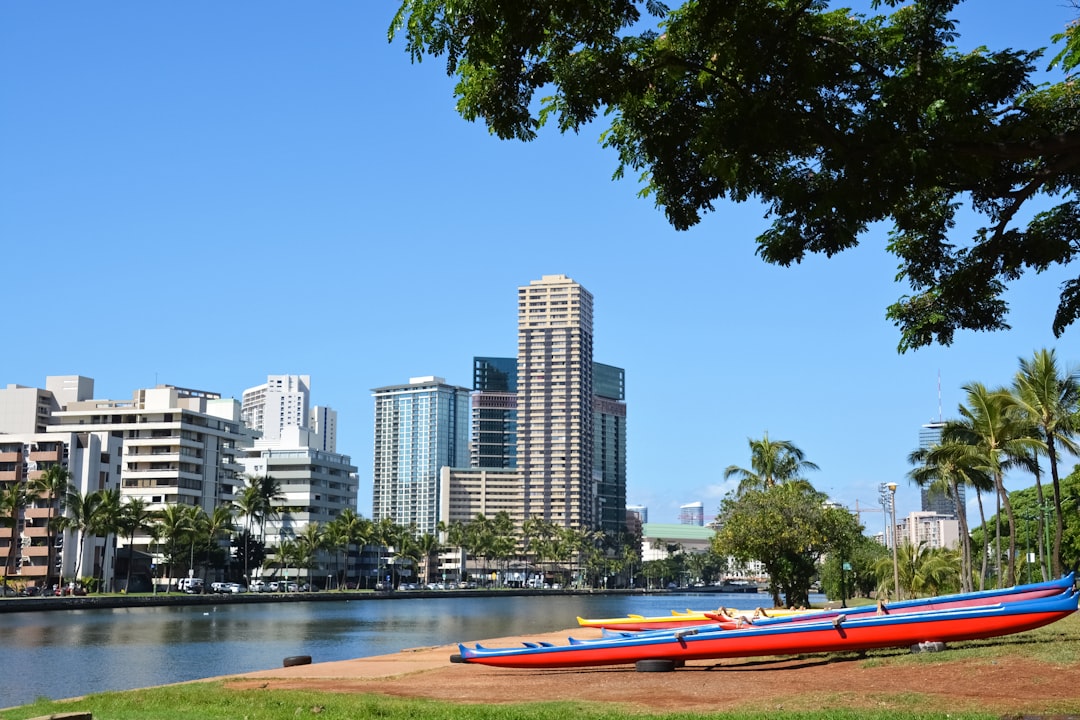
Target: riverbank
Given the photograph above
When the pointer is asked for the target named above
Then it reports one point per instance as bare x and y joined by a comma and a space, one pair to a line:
86, 602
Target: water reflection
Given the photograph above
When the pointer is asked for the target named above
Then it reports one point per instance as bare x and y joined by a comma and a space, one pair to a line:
75, 652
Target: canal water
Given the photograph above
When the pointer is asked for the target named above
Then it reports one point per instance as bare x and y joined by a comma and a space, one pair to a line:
61, 654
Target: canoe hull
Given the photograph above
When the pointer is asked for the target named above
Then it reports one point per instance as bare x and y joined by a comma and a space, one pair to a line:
841, 634
1019, 593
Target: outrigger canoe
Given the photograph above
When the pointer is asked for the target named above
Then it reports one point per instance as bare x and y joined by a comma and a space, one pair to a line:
729, 620
838, 634
679, 619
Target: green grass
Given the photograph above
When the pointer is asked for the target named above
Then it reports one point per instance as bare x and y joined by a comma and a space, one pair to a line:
210, 701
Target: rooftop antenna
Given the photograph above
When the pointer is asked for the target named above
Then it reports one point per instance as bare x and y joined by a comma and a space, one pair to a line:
939, 416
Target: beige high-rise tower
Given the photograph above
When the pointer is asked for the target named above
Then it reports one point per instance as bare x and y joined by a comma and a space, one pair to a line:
555, 401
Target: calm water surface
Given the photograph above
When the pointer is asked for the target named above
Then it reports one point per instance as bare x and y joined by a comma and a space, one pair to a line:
74, 652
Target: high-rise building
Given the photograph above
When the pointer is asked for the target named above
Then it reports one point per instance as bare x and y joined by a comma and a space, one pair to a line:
555, 402
323, 423
609, 445
280, 402
692, 514
936, 501
494, 413
642, 512
419, 428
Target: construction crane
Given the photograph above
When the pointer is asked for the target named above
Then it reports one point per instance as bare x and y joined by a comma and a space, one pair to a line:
860, 510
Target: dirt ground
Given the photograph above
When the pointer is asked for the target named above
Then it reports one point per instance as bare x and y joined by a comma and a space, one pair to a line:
1011, 687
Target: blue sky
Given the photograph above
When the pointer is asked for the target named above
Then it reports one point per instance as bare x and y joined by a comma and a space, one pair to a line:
206, 193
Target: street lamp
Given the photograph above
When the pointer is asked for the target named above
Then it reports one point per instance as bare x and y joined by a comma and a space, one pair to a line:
895, 564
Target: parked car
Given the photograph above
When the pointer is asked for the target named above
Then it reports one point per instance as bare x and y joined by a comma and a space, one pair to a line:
234, 588
259, 586
192, 585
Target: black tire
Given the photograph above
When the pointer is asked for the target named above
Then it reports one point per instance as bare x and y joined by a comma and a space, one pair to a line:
296, 660
654, 665
456, 658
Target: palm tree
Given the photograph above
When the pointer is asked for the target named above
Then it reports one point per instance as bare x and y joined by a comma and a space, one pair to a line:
429, 547
1050, 397
107, 524
135, 517
175, 527
349, 529
945, 468
81, 516
990, 424
218, 525
54, 484
249, 504
922, 569
772, 462
388, 535
310, 541
13, 499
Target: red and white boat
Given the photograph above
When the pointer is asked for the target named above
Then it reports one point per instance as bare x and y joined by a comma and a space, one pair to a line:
841, 633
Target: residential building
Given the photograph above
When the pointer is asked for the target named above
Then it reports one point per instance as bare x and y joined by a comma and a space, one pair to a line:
179, 445
934, 530
27, 451
420, 427
555, 402
692, 514
641, 511
609, 446
282, 401
323, 423
316, 485
494, 413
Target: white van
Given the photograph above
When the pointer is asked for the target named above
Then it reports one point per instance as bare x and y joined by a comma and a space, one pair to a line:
192, 585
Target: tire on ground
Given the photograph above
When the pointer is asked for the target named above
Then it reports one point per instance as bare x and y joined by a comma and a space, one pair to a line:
296, 660
657, 665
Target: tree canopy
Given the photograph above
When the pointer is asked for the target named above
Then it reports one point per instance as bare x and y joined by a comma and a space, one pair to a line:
834, 120
788, 528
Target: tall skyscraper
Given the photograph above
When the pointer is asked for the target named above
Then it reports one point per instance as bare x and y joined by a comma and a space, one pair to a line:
934, 501
555, 402
419, 428
494, 413
609, 445
282, 401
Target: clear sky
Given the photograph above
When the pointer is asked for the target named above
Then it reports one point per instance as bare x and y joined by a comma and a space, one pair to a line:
204, 193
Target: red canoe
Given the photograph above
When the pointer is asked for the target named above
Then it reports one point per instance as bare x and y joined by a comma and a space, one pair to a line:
838, 634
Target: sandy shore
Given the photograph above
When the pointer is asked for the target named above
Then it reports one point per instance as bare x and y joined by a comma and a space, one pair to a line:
811, 682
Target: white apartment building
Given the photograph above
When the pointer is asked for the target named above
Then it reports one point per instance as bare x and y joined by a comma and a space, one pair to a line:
934, 529
179, 445
323, 424
282, 401
316, 485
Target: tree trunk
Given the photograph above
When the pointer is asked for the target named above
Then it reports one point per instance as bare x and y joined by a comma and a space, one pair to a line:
1055, 559
985, 543
1010, 578
965, 541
